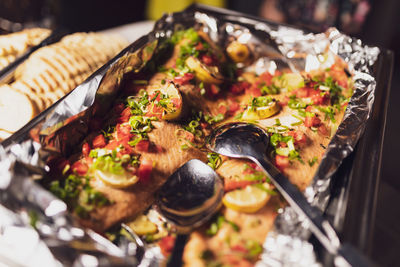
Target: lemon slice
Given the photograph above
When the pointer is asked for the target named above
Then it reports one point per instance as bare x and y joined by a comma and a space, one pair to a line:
268, 111
116, 180
290, 81
175, 96
261, 112
238, 52
143, 226
249, 199
203, 72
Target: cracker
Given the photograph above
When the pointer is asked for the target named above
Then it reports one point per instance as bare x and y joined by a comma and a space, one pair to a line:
16, 107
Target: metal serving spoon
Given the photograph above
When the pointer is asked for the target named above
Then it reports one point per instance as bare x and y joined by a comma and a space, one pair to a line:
242, 140
191, 195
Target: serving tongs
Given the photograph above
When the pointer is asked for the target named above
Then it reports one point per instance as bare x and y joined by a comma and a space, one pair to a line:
242, 140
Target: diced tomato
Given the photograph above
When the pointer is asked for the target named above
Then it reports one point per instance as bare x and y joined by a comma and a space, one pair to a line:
177, 102
239, 88
188, 136
222, 108
208, 60
155, 111
281, 162
113, 144
253, 91
284, 101
85, 149
143, 146
248, 171
302, 92
199, 46
123, 132
239, 248
89, 161
166, 245
309, 108
99, 141
233, 107
255, 166
343, 83
145, 169
323, 130
312, 121
282, 144
318, 98
204, 125
230, 184
125, 115
214, 90
181, 80
266, 77
79, 168
299, 137
236, 89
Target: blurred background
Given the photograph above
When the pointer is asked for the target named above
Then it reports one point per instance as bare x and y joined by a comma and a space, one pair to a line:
375, 22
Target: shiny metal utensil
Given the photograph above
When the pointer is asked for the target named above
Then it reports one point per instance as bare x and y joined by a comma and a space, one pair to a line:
191, 195
243, 140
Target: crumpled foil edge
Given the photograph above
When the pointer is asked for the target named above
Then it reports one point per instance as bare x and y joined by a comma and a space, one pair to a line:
287, 245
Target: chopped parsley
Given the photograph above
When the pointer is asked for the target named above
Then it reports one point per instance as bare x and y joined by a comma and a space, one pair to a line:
111, 163
329, 112
261, 101
77, 191
268, 190
296, 103
214, 160
312, 161
141, 125
214, 119
269, 90
288, 151
217, 224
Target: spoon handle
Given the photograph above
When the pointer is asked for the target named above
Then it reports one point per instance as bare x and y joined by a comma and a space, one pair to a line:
319, 226
176, 257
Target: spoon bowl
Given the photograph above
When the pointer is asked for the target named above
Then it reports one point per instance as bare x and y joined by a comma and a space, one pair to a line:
191, 195
239, 140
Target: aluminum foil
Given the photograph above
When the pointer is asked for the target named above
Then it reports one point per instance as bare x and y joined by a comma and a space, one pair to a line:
63, 126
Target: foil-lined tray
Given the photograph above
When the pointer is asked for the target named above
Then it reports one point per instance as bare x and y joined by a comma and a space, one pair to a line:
62, 126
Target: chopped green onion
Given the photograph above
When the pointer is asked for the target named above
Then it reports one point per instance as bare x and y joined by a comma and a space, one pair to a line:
312, 161
214, 160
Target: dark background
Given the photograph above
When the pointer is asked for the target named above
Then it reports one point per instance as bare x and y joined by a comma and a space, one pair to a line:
382, 28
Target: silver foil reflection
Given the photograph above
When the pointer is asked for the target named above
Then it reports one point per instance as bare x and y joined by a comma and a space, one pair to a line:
62, 126
360, 60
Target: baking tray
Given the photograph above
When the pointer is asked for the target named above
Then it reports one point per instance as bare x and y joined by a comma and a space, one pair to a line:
352, 205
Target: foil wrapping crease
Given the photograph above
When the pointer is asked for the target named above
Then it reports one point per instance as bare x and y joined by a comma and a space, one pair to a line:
60, 128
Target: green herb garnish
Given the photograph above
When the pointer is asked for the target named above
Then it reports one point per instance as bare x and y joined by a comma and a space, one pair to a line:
312, 161
214, 160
